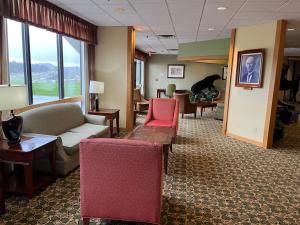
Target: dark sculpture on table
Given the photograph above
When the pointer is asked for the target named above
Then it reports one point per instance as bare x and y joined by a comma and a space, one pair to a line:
207, 82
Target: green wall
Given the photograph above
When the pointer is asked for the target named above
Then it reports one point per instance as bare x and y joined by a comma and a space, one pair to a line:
205, 48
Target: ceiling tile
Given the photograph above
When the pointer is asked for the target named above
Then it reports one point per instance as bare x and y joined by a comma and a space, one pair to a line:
183, 16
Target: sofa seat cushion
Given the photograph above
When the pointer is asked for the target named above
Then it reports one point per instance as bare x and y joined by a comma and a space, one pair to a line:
91, 129
71, 140
162, 123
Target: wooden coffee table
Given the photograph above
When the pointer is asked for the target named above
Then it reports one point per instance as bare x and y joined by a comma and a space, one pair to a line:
205, 104
32, 146
161, 135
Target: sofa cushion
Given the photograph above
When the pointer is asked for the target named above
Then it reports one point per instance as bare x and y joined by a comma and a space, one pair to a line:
91, 129
52, 119
162, 123
71, 140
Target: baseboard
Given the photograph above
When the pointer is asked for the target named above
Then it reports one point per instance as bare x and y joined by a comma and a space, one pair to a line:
247, 140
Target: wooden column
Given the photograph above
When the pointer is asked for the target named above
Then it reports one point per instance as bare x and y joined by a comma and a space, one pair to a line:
274, 83
228, 81
130, 78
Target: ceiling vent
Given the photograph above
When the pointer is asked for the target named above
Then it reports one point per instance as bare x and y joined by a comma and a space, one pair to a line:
166, 36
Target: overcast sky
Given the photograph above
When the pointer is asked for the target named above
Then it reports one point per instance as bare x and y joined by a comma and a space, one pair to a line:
42, 46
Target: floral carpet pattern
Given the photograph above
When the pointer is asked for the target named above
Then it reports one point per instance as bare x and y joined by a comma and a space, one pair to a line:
212, 180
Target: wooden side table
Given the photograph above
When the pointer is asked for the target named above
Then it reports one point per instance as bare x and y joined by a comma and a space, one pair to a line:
31, 147
110, 114
203, 105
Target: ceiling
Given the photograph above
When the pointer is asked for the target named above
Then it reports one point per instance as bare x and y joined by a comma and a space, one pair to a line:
188, 20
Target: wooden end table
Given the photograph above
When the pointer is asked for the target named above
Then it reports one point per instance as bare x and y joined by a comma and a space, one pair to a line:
162, 135
110, 114
205, 104
31, 147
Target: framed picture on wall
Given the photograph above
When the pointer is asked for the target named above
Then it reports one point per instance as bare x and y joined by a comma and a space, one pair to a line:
224, 74
176, 71
249, 72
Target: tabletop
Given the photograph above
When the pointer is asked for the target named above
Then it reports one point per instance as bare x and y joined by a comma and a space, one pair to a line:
29, 143
162, 135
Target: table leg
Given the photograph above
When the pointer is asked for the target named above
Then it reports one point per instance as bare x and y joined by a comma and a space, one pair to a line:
86, 221
166, 158
52, 159
28, 173
2, 200
111, 127
118, 123
201, 111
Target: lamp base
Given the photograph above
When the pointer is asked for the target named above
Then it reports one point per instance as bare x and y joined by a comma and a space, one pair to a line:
96, 104
12, 129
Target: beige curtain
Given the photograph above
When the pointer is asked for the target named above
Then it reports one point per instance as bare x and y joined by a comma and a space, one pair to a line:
49, 16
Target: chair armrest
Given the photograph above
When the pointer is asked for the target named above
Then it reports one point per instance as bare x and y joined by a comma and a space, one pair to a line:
149, 114
95, 119
176, 115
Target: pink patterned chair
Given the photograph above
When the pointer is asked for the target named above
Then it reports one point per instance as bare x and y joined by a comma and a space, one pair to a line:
120, 180
163, 112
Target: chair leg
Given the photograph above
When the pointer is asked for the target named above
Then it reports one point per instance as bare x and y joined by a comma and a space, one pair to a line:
171, 149
195, 115
86, 221
182, 115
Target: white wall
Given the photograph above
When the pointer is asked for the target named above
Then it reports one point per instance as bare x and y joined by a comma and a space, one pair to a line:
111, 68
248, 108
156, 74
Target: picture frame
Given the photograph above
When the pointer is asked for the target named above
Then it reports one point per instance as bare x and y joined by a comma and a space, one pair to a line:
176, 71
249, 72
225, 71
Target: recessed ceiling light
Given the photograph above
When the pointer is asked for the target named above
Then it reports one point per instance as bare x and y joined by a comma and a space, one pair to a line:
211, 29
221, 8
119, 10
291, 29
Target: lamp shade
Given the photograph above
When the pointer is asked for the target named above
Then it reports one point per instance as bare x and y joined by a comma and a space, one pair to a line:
96, 87
13, 97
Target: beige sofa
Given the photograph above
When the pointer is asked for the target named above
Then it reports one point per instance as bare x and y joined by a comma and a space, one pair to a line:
70, 125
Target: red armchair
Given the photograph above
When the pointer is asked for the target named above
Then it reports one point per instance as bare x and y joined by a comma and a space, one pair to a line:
120, 180
163, 112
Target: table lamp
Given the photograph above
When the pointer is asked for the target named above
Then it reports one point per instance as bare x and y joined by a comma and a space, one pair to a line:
96, 87
13, 97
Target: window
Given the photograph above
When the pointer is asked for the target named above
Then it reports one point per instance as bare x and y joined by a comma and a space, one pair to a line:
15, 53
43, 52
139, 74
49, 63
72, 67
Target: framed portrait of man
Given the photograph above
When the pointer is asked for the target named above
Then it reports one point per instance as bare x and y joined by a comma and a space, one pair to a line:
249, 72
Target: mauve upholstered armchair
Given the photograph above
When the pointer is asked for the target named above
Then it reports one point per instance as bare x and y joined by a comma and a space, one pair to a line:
120, 180
185, 106
163, 112
140, 103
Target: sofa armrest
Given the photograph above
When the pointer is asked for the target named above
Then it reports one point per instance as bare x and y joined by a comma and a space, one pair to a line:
95, 119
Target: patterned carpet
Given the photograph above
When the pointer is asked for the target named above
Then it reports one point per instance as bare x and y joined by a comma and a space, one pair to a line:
211, 180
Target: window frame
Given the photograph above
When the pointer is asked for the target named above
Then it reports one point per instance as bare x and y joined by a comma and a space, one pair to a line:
27, 61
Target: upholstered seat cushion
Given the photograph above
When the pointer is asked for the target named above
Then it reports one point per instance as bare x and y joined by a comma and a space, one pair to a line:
71, 140
162, 123
90, 129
